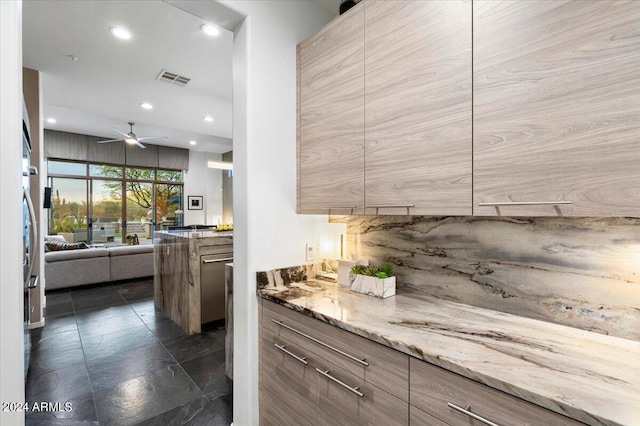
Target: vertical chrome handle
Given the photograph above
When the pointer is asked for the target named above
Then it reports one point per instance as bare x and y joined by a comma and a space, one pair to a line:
472, 415
313, 339
301, 359
340, 382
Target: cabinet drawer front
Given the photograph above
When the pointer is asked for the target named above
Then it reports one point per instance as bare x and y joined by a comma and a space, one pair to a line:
345, 399
287, 385
433, 388
418, 417
387, 368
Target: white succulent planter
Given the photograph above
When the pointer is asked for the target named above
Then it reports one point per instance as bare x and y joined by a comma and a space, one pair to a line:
373, 286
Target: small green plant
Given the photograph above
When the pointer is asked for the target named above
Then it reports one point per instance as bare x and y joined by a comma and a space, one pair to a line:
383, 271
358, 270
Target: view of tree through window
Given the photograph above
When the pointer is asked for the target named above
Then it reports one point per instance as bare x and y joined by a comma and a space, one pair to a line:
150, 202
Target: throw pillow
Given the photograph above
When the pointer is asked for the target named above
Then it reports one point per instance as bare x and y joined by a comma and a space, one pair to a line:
54, 245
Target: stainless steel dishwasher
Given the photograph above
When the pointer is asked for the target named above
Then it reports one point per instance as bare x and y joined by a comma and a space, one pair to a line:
212, 292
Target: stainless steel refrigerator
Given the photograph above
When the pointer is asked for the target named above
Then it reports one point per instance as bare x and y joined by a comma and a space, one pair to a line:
29, 234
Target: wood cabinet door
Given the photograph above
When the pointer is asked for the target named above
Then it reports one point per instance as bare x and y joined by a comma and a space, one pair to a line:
345, 399
331, 117
287, 385
418, 107
432, 389
556, 107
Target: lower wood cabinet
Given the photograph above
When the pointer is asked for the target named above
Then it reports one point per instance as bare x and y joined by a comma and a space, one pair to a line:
315, 373
434, 390
417, 417
287, 384
379, 365
346, 399
304, 380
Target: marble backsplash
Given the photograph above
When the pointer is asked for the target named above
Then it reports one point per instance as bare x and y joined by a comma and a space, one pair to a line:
580, 272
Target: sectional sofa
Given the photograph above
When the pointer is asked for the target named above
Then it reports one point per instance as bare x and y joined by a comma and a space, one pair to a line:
71, 268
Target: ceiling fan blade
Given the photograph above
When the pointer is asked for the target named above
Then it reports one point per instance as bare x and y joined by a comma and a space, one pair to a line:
140, 145
121, 132
148, 138
111, 140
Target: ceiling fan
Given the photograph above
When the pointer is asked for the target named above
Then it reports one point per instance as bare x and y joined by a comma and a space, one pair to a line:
131, 137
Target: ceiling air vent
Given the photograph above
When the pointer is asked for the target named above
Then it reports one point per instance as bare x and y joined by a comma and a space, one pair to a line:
169, 77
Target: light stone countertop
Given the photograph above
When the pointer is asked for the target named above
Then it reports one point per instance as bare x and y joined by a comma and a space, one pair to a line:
590, 377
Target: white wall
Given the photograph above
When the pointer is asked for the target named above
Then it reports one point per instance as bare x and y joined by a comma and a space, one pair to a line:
11, 287
267, 231
206, 182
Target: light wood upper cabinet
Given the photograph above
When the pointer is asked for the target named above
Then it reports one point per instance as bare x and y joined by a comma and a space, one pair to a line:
418, 107
331, 117
557, 106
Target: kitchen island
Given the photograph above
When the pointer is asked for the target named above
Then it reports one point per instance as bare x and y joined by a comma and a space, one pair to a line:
589, 377
177, 283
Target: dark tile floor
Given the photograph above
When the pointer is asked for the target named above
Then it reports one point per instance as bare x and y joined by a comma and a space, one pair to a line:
119, 361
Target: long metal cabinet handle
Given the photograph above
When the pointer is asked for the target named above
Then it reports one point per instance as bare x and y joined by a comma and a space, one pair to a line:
391, 206
525, 203
351, 357
217, 260
472, 415
291, 354
351, 208
340, 382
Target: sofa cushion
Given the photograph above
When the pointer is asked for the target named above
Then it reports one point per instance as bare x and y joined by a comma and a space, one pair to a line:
57, 256
128, 250
56, 245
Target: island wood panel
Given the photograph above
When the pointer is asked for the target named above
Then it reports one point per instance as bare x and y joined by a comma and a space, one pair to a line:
418, 129
432, 388
556, 106
171, 288
337, 405
287, 386
331, 104
387, 369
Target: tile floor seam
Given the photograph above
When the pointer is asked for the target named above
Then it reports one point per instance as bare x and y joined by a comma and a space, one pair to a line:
84, 356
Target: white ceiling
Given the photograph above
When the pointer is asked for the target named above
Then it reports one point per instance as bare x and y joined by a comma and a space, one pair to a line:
104, 88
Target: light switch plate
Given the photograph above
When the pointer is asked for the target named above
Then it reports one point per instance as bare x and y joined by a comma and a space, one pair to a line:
310, 253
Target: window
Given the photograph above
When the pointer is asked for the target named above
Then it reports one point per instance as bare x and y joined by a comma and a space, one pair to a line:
67, 168
103, 204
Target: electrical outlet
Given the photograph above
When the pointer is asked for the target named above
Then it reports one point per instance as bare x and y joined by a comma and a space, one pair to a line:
310, 253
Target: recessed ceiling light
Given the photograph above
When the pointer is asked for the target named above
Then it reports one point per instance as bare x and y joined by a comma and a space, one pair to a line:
208, 118
146, 105
193, 142
210, 30
121, 32
51, 120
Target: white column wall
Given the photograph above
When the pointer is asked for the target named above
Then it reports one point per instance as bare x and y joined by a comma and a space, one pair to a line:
11, 286
206, 182
267, 231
